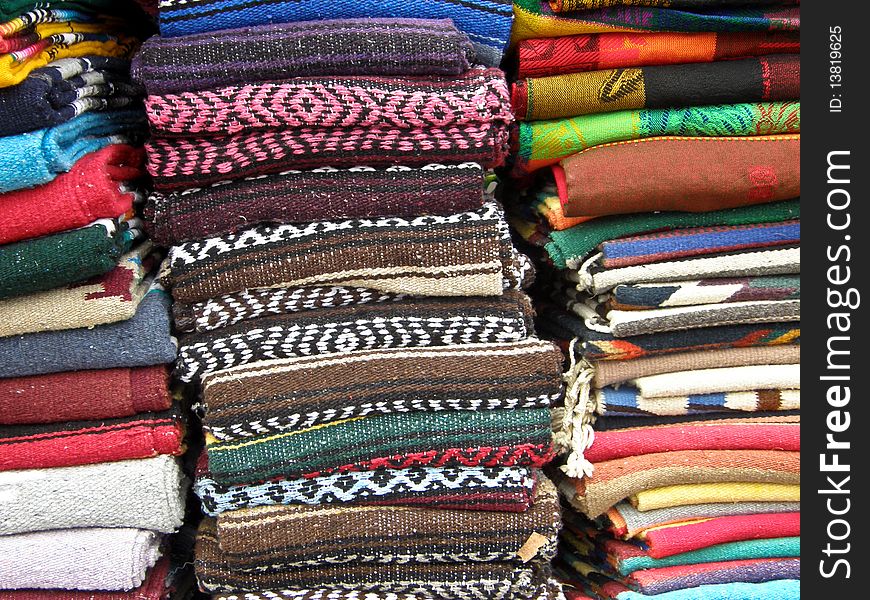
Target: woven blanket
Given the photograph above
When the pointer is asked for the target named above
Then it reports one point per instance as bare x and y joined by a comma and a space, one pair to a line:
642, 296
550, 589
278, 396
463, 254
355, 535
733, 379
762, 79
107, 298
87, 442
784, 589
684, 174
144, 494
486, 22
611, 372
411, 323
188, 162
141, 341
63, 258
37, 157
758, 416
314, 195
518, 437
541, 57
564, 6
627, 401
504, 489
542, 143
536, 19
16, 8
97, 187
545, 206
79, 559
64, 89
276, 52
709, 493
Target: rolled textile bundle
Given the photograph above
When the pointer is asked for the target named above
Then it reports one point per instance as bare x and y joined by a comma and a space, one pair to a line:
107, 298
144, 494
759, 79
167, 65
37, 157
277, 396
141, 341
315, 195
486, 22
414, 322
65, 89
691, 174
100, 185
52, 261
87, 395
542, 57
79, 559
502, 489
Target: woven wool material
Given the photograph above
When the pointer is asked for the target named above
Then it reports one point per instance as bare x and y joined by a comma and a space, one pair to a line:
275, 52
541, 57
107, 298
681, 174
518, 437
627, 401
549, 590
79, 559
419, 535
733, 379
411, 323
87, 442
64, 89
536, 19
708, 493
619, 479
562, 6
297, 393
141, 341
37, 157
95, 188
543, 143
144, 494
365, 101
504, 489
787, 588
762, 79
61, 259
87, 395
760, 416
11, 9
715, 290
315, 195
612, 372
398, 255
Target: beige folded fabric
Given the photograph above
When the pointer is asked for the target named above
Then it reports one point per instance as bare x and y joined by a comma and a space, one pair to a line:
727, 379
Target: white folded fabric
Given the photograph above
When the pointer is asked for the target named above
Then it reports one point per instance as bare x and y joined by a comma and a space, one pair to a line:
711, 381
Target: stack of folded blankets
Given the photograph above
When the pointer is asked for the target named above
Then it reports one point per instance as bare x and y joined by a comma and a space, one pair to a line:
658, 157
90, 485
350, 305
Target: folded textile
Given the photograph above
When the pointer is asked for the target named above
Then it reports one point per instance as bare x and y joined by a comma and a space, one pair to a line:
414, 322
277, 396
315, 195
732, 379
144, 494
627, 401
486, 22
612, 371
784, 589
715, 290
78, 559
459, 255
87, 442
65, 89
541, 57
708, 493
536, 19
141, 341
96, 187
564, 6
762, 79
273, 52
12, 9
619, 479
355, 534
543, 143
63, 258
681, 174
551, 589
37, 157
107, 298
87, 395
517, 437
504, 489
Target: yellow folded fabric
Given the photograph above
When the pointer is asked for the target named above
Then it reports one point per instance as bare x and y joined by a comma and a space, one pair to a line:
710, 493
